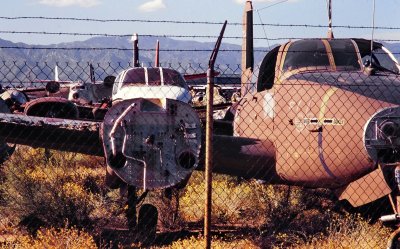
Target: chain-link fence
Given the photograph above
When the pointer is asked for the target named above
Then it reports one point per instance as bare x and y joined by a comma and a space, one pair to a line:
287, 146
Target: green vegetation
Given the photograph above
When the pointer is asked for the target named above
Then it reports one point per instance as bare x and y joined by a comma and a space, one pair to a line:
51, 199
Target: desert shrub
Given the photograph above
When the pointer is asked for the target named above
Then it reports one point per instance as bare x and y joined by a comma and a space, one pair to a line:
350, 231
230, 200
168, 205
239, 201
283, 215
198, 242
51, 190
54, 238
295, 210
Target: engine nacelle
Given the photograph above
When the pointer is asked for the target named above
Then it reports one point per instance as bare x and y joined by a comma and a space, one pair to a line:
382, 136
55, 107
152, 143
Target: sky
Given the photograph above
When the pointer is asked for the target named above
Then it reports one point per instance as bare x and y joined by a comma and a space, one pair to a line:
310, 12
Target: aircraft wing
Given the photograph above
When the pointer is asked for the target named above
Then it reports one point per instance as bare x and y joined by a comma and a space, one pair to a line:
148, 136
53, 133
148, 143
84, 137
198, 76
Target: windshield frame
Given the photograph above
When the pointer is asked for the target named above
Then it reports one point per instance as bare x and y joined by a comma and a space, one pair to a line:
151, 77
283, 73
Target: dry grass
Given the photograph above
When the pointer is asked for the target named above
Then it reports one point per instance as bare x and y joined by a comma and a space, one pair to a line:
349, 232
55, 239
52, 191
230, 201
67, 189
198, 242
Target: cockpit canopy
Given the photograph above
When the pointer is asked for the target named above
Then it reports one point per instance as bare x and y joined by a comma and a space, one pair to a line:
143, 82
157, 76
320, 55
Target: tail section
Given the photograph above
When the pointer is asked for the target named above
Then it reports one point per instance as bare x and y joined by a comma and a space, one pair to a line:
157, 59
92, 77
56, 78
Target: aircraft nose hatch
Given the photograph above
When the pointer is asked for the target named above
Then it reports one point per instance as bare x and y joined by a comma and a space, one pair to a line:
382, 136
152, 143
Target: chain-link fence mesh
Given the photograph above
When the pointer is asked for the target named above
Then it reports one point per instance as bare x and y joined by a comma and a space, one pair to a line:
317, 127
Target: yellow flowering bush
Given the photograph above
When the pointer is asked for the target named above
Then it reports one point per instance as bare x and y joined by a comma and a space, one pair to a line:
55, 239
245, 202
347, 232
198, 242
50, 189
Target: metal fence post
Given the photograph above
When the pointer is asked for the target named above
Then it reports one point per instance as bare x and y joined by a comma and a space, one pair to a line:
209, 138
209, 158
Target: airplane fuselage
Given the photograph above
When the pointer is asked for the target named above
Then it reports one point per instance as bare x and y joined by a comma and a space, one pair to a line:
309, 117
317, 127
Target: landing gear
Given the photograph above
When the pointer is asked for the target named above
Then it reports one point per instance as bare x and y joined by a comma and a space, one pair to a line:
131, 211
145, 227
147, 224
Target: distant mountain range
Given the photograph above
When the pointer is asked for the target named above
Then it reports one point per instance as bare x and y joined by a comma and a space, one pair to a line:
228, 61
19, 65
147, 44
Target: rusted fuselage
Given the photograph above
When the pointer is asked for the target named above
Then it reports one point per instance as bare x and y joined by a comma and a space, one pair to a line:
309, 115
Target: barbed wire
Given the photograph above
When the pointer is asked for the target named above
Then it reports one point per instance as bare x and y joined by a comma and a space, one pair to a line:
161, 50
326, 26
124, 49
129, 35
124, 35
160, 35
193, 22
112, 20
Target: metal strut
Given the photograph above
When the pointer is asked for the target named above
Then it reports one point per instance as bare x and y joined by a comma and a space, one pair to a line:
131, 210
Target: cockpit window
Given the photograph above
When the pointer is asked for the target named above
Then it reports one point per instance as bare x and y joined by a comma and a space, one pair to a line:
118, 78
115, 86
306, 53
154, 77
135, 76
382, 58
172, 77
344, 54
